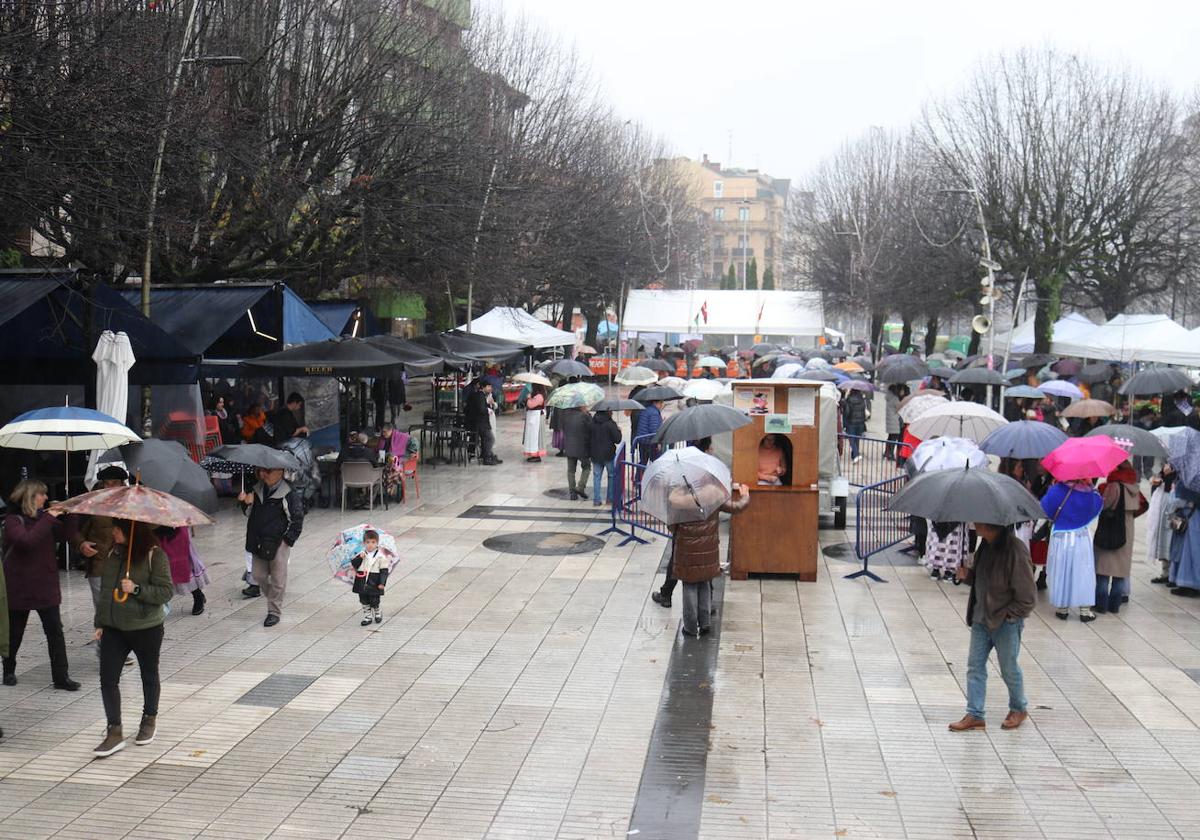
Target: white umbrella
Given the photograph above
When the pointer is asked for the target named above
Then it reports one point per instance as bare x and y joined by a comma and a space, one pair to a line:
817, 363
919, 405
676, 382
533, 379
113, 357
636, 375
948, 453
685, 485
788, 371
957, 419
705, 390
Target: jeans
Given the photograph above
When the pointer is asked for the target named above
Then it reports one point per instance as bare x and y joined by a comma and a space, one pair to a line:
855, 431
272, 576
115, 646
487, 441
697, 606
1109, 597
585, 470
1006, 640
52, 627
599, 468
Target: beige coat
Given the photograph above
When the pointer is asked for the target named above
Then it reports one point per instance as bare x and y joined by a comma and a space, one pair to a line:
1118, 562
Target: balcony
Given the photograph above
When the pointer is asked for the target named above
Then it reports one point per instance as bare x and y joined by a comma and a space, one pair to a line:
720, 252
743, 252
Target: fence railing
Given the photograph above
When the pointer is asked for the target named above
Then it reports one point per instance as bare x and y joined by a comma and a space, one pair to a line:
876, 528
877, 459
626, 509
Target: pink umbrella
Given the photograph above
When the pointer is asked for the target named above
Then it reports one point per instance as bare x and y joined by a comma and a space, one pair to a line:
1084, 457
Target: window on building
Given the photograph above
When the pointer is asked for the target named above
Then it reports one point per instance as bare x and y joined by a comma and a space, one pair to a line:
718, 189
718, 270
743, 214
743, 241
741, 271
718, 214
719, 244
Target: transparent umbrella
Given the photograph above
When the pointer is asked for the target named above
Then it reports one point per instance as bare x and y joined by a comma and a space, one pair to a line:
685, 485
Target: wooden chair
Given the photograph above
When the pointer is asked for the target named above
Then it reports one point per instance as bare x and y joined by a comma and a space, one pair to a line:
364, 475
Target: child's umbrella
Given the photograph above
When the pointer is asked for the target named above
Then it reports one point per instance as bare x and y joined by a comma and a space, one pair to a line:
349, 544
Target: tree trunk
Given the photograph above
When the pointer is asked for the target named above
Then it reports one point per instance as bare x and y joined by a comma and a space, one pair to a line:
567, 314
1049, 302
931, 334
591, 334
876, 337
905, 333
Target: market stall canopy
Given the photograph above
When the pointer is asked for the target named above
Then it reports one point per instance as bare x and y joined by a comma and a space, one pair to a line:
53, 320
1067, 328
707, 311
346, 317
342, 357
1134, 338
418, 359
511, 323
457, 346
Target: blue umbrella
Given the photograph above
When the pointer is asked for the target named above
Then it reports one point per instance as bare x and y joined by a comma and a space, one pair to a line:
1023, 439
1061, 388
65, 428
1184, 451
1024, 391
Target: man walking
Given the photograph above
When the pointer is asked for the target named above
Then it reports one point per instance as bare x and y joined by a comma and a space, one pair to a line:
276, 517
577, 443
1003, 593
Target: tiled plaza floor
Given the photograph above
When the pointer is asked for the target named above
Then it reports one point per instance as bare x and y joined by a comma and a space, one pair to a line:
513, 696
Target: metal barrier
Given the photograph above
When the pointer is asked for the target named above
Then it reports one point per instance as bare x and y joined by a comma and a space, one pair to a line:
626, 510
877, 459
875, 527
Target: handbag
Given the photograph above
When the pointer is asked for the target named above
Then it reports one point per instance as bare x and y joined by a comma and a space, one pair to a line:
1178, 521
1110, 533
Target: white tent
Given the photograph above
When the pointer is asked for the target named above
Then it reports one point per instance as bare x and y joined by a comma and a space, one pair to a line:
1134, 338
708, 312
518, 325
1020, 340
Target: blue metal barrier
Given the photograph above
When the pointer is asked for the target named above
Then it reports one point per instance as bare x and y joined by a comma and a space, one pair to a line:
626, 512
879, 459
875, 527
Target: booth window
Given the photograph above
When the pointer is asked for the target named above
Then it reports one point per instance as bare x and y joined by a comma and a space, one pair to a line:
775, 460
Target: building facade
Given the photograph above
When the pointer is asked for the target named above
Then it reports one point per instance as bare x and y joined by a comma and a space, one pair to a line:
746, 213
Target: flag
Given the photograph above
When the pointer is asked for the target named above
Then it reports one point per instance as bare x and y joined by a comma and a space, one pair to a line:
704, 311
759, 318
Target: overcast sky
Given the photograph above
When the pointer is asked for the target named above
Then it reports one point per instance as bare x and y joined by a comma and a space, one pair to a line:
791, 79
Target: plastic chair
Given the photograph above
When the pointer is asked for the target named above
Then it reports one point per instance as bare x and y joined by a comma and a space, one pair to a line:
364, 475
409, 470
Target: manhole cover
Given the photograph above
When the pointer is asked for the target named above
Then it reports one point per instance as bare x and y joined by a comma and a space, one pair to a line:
839, 551
543, 542
558, 493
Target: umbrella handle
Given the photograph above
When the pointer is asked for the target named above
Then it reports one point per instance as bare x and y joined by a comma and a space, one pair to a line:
119, 596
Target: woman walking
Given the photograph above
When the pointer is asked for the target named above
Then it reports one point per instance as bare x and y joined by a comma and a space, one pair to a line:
696, 557
31, 571
188, 574
130, 617
1123, 502
533, 447
1070, 561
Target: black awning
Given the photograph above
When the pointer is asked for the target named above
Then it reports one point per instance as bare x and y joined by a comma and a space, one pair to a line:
206, 319
455, 345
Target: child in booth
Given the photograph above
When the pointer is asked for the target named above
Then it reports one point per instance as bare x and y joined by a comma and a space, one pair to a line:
370, 578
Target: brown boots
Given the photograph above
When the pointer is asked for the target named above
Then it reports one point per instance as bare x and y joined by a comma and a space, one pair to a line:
145, 731
114, 741
967, 723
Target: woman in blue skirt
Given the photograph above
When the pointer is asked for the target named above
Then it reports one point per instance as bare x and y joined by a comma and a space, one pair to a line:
1070, 562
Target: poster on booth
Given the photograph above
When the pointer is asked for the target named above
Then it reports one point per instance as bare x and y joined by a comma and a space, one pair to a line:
754, 401
802, 406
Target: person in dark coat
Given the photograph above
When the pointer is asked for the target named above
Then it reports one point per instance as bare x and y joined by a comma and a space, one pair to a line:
649, 421
276, 515
696, 560
31, 573
1003, 594
577, 443
287, 420
397, 393
477, 421
605, 435
854, 419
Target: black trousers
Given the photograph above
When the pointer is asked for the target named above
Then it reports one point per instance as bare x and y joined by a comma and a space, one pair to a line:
115, 646
487, 441
52, 626
370, 598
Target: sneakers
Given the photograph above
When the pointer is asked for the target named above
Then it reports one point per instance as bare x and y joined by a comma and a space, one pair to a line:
378, 616
856, 459
660, 599
968, 723
146, 731
1086, 615
366, 619
114, 741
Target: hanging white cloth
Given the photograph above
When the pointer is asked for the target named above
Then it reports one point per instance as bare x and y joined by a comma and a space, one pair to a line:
113, 357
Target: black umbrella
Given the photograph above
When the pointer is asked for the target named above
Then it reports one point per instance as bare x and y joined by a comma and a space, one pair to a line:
417, 359
568, 367
818, 375
614, 404
967, 495
1157, 381
899, 368
1095, 372
978, 376
863, 362
457, 344
165, 465
213, 465
657, 393
966, 361
1037, 360
674, 351
943, 372
764, 348
657, 364
342, 357
257, 455
1023, 439
700, 421
1144, 443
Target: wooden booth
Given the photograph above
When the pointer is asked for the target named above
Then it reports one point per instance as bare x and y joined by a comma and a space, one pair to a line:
777, 533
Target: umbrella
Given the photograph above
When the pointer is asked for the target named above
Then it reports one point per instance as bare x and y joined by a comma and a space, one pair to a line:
1183, 450
138, 503
673, 351
947, 453
1067, 367
1037, 360
349, 544
701, 421
586, 348
924, 392
856, 385
691, 345
575, 395
954, 354
817, 363
1046, 375
1089, 408
657, 365
636, 375
957, 419
1013, 374
919, 404
658, 393
967, 361
345, 357
713, 362
1061, 388
790, 371
684, 485
257, 455
942, 373
1084, 457
850, 367
1024, 392
1023, 439
863, 362
1157, 381
416, 358
1095, 372
113, 357
533, 379
165, 465
979, 376
764, 348
568, 367
705, 389
1144, 442
673, 382
215, 466
902, 369
967, 495
616, 404
814, 375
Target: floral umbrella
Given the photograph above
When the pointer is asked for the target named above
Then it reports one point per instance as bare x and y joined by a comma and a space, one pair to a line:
576, 395
349, 544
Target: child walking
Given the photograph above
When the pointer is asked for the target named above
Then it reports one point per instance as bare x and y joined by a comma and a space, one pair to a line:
370, 577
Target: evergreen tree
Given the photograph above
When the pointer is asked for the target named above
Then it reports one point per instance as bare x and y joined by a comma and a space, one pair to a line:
752, 274
768, 282
730, 278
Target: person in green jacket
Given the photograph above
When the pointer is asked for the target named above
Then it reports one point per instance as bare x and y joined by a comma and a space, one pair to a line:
129, 617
